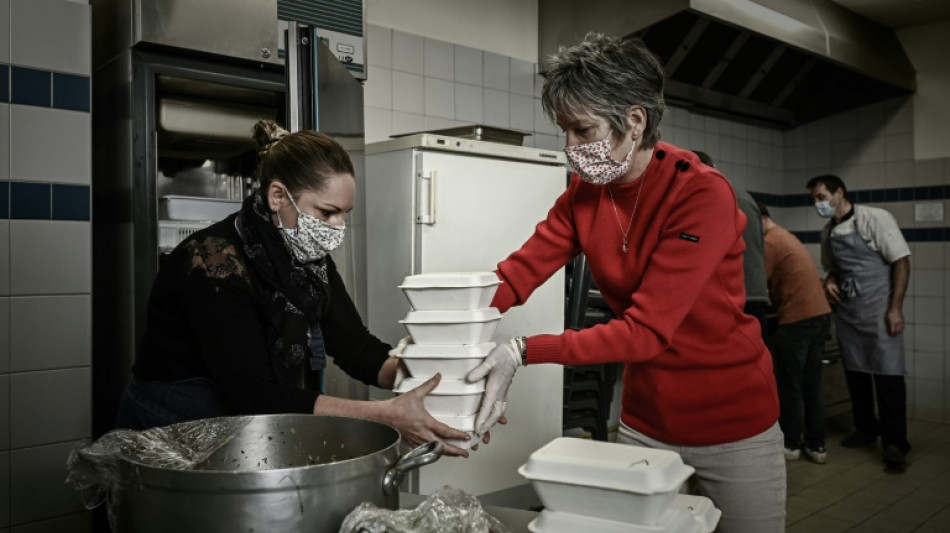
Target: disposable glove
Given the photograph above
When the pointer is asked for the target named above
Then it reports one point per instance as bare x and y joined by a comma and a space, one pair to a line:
500, 367
397, 350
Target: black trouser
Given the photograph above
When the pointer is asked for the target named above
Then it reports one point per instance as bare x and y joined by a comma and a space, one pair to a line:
891, 420
797, 350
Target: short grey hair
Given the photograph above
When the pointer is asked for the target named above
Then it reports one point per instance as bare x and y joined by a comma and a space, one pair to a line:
605, 76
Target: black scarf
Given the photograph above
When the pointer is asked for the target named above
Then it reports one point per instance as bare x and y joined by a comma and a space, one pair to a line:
296, 295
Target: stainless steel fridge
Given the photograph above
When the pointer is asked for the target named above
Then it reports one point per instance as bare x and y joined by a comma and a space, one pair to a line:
174, 111
437, 203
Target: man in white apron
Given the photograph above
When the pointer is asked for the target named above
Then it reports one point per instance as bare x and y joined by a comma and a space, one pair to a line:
868, 266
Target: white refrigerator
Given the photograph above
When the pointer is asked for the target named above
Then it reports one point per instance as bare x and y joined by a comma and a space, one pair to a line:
436, 203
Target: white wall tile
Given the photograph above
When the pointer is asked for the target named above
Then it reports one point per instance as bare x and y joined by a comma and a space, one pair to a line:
4, 255
497, 71
928, 255
928, 399
468, 65
65, 42
495, 108
928, 338
927, 282
522, 112
440, 98
548, 142
408, 52
378, 89
37, 490
4, 34
4, 140
39, 416
4, 490
899, 147
4, 420
41, 132
4, 335
522, 77
379, 124
408, 122
438, 123
408, 95
439, 59
541, 122
929, 172
379, 45
871, 150
74, 523
928, 310
33, 347
870, 176
899, 174
50, 257
844, 127
468, 103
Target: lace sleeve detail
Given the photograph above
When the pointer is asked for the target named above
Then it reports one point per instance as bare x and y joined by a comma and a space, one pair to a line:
216, 258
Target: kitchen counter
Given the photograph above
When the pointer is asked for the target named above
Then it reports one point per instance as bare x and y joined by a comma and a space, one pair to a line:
516, 520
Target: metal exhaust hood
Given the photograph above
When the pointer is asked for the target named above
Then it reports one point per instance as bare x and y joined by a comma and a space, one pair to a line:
780, 63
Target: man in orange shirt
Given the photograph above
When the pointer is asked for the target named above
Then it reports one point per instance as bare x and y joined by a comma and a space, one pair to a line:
797, 345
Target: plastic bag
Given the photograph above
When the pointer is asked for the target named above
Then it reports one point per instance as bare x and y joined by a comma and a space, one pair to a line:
447, 510
94, 468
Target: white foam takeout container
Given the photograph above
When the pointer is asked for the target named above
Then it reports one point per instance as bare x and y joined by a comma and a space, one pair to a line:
702, 509
673, 521
474, 326
450, 397
606, 480
453, 361
450, 290
461, 423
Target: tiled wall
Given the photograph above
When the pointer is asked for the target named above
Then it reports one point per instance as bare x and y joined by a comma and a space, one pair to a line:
45, 260
416, 83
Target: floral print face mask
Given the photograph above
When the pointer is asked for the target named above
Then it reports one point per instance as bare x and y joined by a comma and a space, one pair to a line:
313, 238
593, 163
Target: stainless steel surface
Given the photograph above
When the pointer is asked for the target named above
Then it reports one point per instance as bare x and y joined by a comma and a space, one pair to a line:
478, 132
777, 62
242, 29
288, 473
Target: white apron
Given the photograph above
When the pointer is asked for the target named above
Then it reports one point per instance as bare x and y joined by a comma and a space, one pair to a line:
865, 282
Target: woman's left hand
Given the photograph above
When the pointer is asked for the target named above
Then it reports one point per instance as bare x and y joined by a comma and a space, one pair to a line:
408, 414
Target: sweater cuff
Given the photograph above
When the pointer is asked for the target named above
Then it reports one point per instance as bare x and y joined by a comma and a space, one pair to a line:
542, 349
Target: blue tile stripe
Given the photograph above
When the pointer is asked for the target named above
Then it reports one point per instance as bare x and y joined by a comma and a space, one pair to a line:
903, 194
43, 201
43, 88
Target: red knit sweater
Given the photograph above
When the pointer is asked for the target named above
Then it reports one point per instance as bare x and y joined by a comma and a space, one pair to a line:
696, 370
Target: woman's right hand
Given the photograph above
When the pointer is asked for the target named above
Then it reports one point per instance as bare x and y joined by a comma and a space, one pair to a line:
407, 413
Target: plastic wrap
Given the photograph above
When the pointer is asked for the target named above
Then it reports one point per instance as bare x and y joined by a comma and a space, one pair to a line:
447, 510
94, 468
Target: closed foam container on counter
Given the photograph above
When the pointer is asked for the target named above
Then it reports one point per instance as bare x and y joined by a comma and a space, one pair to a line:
607, 480
450, 290
453, 361
449, 397
474, 326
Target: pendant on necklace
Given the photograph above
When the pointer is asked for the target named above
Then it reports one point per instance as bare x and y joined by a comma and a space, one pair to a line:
624, 246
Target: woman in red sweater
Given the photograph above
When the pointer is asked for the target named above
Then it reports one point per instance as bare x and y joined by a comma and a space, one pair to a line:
663, 238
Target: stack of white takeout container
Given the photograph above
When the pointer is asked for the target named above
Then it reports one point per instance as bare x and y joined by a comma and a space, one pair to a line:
451, 325
606, 487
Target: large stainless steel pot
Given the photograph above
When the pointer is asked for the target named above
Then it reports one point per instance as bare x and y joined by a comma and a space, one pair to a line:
287, 473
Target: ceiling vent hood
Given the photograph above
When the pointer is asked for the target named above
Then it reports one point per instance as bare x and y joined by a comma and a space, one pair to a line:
780, 63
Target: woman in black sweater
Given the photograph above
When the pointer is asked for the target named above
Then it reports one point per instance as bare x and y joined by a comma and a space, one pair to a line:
242, 309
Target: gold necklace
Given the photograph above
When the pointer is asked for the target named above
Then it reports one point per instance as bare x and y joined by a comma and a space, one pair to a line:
617, 214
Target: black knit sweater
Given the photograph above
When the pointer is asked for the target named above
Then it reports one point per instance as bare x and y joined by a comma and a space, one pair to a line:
206, 319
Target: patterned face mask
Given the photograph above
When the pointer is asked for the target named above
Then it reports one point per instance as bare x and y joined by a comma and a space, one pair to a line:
313, 238
593, 163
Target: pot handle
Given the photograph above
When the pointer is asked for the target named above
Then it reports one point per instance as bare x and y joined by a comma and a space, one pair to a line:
420, 456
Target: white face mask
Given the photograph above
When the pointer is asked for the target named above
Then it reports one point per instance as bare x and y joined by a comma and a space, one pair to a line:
825, 209
593, 163
313, 238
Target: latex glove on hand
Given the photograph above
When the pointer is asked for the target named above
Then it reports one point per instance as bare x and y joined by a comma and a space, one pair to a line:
500, 367
401, 372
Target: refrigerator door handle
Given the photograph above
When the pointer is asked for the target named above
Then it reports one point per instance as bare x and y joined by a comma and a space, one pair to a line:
426, 201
